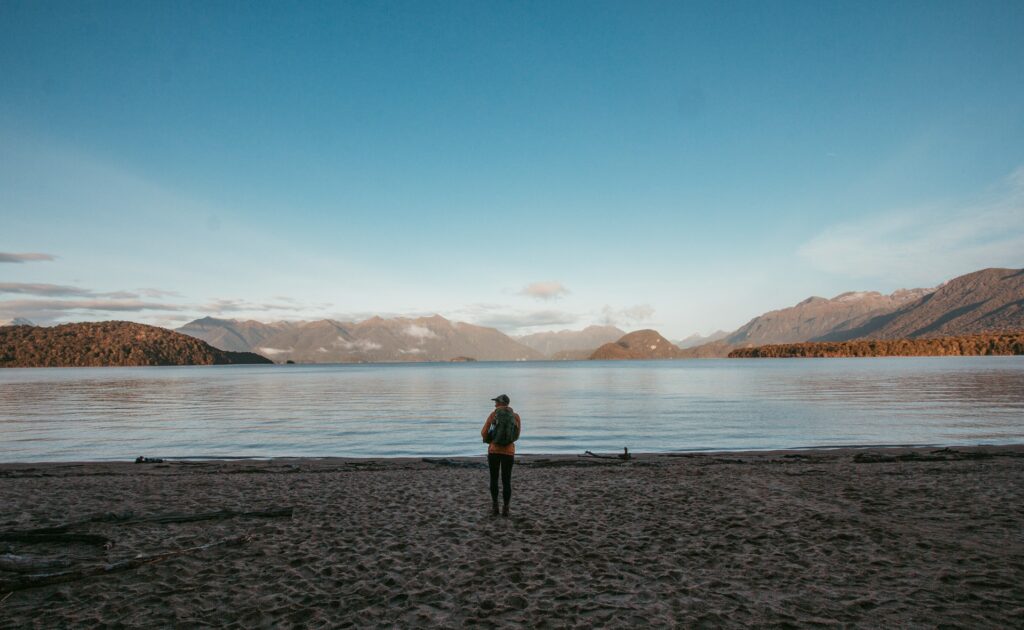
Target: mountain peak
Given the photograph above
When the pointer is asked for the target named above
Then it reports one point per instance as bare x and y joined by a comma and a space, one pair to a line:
984, 301
851, 296
17, 321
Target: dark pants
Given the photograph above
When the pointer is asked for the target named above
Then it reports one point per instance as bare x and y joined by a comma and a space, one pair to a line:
504, 463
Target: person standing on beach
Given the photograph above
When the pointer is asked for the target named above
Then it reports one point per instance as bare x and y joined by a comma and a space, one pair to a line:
501, 449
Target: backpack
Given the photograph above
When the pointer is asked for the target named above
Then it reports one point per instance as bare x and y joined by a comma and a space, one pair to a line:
504, 427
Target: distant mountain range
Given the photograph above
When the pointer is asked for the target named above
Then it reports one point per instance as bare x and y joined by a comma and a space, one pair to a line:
990, 300
375, 340
102, 344
568, 343
981, 302
986, 302
699, 340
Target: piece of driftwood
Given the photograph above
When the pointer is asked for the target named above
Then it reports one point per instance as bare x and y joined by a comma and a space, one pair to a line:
940, 455
624, 456
35, 537
585, 462
202, 516
44, 579
128, 518
454, 464
28, 564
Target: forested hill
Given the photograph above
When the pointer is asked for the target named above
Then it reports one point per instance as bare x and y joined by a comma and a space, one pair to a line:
991, 344
99, 344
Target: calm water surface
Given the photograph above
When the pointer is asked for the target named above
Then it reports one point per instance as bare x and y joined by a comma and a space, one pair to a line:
437, 409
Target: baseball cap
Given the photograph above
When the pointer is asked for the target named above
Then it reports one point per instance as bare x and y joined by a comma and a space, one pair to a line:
503, 399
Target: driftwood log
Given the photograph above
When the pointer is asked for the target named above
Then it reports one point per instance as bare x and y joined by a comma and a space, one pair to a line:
44, 579
624, 456
940, 455
59, 533
30, 536
454, 464
27, 564
191, 518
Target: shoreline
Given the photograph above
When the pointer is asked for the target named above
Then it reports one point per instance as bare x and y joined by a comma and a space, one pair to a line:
503, 362
526, 458
868, 537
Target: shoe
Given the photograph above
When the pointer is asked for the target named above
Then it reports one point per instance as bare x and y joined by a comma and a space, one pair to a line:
504, 510
494, 509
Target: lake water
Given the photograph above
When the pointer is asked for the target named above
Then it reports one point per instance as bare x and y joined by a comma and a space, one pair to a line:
567, 407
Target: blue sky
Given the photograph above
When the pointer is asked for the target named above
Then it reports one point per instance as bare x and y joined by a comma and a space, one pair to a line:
532, 166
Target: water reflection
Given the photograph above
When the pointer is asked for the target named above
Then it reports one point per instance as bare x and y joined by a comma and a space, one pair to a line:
118, 413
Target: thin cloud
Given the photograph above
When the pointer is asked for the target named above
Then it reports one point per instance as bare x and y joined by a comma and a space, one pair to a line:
157, 293
359, 345
87, 305
926, 246
58, 290
232, 305
419, 332
6, 257
513, 321
547, 290
626, 317
47, 311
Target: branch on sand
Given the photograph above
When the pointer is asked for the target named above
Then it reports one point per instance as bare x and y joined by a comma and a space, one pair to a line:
940, 455
624, 456
59, 532
27, 564
129, 519
31, 536
44, 579
454, 464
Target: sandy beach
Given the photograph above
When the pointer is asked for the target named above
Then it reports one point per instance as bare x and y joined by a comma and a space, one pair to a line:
861, 537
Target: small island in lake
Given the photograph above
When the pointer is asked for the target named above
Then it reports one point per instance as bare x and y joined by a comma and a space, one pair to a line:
638, 345
113, 343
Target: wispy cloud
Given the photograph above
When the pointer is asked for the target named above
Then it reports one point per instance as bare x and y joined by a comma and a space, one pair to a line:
58, 290
81, 303
359, 345
547, 290
517, 322
156, 293
512, 321
88, 305
231, 305
923, 247
6, 257
44, 311
419, 332
627, 317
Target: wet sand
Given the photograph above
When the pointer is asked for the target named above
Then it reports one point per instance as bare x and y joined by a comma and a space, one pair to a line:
869, 538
